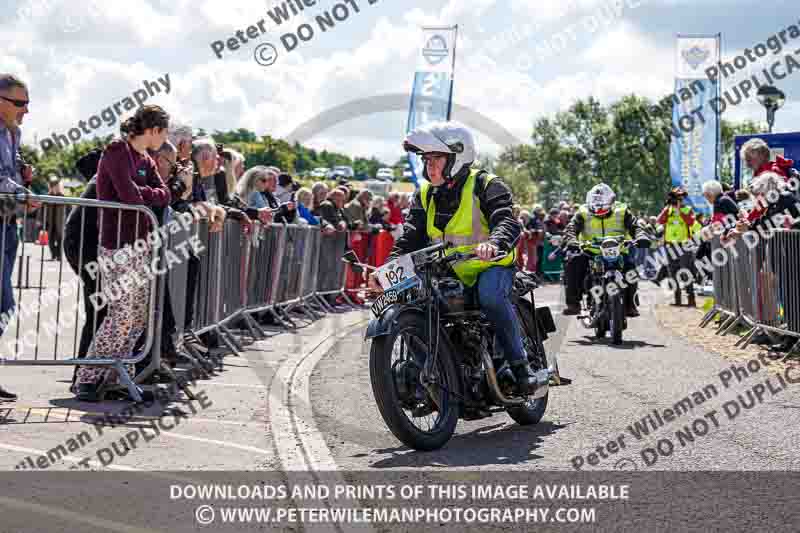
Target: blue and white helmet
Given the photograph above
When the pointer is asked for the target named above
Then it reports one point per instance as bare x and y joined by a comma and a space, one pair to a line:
449, 138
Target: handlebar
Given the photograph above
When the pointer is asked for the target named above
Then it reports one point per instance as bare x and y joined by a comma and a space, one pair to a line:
582, 246
460, 256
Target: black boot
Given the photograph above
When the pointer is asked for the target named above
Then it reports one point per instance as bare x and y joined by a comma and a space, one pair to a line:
525, 379
571, 309
630, 307
677, 297
691, 302
87, 392
6, 396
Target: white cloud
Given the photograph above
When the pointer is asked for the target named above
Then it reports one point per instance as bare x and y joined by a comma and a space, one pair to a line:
75, 74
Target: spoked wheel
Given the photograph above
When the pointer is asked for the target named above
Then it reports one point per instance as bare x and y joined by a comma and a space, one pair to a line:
422, 418
533, 410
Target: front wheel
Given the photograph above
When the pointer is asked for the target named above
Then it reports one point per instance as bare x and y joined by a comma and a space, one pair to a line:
601, 321
533, 410
423, 419
617, 319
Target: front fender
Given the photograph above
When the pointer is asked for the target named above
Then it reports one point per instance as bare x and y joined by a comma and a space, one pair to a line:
386, 323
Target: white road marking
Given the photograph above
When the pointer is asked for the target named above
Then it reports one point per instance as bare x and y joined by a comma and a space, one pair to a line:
223, 443
236, 385
301, 447
71, 459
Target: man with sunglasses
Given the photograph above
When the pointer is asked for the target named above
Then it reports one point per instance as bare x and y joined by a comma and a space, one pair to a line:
13, 108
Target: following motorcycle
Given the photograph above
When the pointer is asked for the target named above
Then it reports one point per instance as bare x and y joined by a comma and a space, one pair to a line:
435, 357
603, 293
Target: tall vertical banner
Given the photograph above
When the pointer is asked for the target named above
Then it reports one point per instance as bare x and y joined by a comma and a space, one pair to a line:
694, 151
432, 92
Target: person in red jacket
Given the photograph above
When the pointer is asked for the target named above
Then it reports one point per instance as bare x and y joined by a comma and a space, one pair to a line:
756, 155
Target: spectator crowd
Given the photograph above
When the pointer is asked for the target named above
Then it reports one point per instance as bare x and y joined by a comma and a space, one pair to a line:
162, 165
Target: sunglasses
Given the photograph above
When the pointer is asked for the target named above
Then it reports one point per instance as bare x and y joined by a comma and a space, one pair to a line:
18, 103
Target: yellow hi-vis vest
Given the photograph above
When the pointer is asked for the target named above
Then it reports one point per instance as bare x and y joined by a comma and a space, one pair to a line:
465, 230
610, 226
676, 229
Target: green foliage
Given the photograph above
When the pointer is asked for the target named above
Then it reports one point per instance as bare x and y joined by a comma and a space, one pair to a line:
58, 162
257, 151
625, 145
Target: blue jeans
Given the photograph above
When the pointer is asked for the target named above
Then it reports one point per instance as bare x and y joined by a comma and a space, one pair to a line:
8, 237
494, 292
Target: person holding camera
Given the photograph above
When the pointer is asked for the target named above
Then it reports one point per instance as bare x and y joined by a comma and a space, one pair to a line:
678, 221
285, 212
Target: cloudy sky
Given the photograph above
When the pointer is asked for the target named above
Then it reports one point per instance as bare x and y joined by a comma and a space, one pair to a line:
82, 56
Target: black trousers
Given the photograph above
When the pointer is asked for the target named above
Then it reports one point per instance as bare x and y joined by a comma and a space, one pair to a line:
192, 278
54, 243
92, 320
682, 271
576, 272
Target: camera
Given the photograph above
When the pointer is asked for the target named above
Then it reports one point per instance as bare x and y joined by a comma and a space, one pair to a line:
176, 185
675, 196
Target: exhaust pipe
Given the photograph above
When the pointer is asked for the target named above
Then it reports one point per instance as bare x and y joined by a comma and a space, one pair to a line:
542, 376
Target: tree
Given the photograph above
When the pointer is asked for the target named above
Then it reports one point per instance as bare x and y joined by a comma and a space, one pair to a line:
625, 145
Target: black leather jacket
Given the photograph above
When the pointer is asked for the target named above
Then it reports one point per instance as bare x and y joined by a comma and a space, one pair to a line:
496, 204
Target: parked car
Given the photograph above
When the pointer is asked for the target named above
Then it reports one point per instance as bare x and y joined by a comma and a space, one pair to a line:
320, 172
343, 171
385, 174
378, 188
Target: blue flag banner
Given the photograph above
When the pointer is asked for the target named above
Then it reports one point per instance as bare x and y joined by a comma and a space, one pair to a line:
695, 123
432, 92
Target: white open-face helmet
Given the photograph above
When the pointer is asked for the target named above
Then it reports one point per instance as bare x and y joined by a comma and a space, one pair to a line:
450, 138
600, 200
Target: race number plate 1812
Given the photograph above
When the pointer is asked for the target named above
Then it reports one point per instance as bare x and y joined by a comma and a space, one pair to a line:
398, 274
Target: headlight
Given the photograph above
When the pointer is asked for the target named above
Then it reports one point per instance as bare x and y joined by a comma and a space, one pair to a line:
610, 249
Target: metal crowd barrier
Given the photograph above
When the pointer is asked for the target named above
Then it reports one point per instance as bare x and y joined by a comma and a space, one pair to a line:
757, 286
726, 297
231, 279
783, 259
46, 328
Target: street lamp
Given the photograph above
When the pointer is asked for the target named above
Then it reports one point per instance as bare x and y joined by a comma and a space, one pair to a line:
772, 99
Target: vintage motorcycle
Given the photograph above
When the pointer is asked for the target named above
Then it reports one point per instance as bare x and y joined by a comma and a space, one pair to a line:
434, 355
603, 296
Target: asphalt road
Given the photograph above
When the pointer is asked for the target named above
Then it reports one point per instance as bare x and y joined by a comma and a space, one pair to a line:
302, 401
613, 387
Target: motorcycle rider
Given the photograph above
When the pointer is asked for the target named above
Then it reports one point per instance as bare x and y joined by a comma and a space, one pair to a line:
473, 210
601, 216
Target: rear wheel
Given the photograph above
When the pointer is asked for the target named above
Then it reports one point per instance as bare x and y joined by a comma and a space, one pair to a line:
533, 410
423, 419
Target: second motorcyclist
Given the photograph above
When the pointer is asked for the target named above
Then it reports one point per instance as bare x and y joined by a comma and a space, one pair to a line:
600, 217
